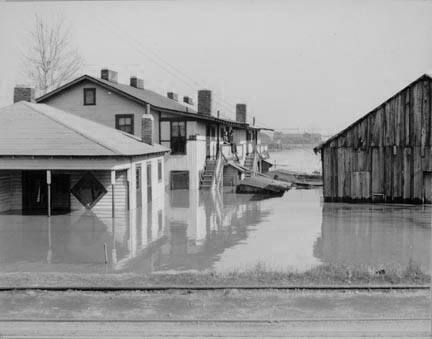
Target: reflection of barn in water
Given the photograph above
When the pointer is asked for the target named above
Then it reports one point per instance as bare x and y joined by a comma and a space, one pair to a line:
374, 235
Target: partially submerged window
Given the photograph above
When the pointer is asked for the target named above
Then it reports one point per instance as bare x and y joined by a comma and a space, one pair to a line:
179, 180
88, 190
125, 123
89, 96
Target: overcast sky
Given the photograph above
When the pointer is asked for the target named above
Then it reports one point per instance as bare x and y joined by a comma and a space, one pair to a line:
315, 65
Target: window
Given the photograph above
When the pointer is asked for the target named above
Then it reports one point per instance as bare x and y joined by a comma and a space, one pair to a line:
159, 170
125, 123
89, 96
173, 135
178, 137
88, 190
138, 177
179, 180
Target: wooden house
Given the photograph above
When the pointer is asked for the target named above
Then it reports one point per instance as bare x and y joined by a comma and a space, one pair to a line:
52, 161
385, 156
195, 135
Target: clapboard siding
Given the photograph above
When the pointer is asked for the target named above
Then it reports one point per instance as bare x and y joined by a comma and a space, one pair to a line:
105, 203
388, 150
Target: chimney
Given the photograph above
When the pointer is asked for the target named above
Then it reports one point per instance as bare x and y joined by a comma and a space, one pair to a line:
107, 74
188, 100
23, 93
136, 82
147, 126
172, 96
241, 113
204, 102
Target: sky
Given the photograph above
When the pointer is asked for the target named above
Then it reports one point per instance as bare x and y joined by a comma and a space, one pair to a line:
313, 65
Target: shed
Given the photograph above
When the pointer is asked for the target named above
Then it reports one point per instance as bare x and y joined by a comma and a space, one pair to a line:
385, 156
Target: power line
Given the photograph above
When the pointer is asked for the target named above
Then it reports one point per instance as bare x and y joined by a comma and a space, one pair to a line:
145, 52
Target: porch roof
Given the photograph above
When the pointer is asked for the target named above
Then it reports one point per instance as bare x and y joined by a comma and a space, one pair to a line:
28, 129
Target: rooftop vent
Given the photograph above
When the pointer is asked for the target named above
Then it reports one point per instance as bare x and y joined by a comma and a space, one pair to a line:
136, 82
172, 96
188, 100
241, 113
109, 75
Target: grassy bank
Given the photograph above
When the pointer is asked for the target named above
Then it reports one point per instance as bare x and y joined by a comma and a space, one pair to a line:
258, 275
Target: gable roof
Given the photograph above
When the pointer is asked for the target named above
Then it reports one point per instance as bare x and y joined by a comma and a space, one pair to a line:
144, 96
29, 129
329, 140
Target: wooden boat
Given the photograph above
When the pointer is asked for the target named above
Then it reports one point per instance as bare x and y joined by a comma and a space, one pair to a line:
300, 180
263, 185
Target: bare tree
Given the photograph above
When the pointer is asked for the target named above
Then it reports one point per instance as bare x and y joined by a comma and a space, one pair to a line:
51, 59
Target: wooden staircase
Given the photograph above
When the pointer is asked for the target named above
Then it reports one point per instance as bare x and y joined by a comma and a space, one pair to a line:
249, 164
208, 174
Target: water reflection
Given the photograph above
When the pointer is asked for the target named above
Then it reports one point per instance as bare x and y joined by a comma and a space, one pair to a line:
375, 235
203, 230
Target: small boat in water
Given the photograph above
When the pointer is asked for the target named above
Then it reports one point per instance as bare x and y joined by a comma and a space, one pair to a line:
263, 184
299, 180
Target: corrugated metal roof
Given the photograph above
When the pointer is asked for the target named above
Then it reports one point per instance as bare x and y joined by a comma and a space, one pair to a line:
41, 130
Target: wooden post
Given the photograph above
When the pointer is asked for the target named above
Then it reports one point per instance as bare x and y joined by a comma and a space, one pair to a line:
48, 178
113, 180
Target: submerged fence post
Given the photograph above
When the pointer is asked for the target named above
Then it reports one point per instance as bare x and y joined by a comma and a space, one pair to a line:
48, 179
106, 253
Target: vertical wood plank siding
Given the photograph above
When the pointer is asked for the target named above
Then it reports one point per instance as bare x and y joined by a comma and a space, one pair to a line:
385, 156
10, 190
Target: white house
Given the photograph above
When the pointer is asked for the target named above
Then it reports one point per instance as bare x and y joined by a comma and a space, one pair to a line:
52, 161
196, 137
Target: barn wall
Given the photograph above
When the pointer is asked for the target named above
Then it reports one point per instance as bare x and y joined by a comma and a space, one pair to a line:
386, 156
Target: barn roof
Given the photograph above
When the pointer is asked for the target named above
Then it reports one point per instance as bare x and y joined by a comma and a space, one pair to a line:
28, 129
145, 96
328, 141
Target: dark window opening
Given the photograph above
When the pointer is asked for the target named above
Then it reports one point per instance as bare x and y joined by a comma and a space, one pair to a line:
125, 123
159, 170
88, 190
178, 137
89, 96
179, 180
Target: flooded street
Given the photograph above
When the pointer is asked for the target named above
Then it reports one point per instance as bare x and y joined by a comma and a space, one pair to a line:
200, 230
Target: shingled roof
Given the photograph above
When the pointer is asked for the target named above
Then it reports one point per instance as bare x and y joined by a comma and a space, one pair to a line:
28, 129
145, 96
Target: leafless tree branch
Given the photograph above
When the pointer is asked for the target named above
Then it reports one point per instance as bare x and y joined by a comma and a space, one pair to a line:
50, 59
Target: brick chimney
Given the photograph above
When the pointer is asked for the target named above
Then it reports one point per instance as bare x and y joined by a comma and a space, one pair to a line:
241, 113
23, 93
136, 82
204, 102
109, 75
172, 96
147, 126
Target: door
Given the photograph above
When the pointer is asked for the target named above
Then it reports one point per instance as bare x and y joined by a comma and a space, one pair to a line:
138, 186
34, 192
149, 182
208, 134
60, 193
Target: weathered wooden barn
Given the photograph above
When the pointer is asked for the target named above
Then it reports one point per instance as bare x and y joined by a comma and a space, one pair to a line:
385, 156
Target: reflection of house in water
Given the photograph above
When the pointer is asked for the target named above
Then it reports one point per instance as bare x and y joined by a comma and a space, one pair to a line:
374, 235
200, 225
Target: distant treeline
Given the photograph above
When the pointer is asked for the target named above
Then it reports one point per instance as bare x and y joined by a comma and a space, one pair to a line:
281, 140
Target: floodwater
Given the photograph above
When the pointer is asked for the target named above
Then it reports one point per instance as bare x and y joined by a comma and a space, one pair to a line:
200, 230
